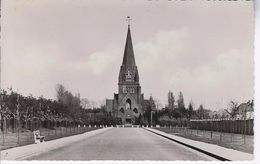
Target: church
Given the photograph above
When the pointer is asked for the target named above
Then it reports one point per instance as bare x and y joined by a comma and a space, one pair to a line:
127, 104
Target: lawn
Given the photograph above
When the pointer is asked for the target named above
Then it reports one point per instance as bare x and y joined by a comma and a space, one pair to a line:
225, 140
10, 139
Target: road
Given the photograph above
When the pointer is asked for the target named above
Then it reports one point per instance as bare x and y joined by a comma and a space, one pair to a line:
123, 144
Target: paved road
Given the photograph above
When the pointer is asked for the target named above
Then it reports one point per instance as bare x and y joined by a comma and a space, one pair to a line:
123, 144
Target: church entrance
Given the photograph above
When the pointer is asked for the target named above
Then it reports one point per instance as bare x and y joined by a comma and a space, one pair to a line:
128, 121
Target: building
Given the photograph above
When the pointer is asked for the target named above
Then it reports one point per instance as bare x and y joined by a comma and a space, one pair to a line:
245, 110
127, 104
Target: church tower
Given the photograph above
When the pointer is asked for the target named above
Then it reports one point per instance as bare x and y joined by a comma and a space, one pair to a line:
128, 81
127, 104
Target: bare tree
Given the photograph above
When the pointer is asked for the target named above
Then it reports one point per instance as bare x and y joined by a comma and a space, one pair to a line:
233, 107
93, 103
158, 104
85, 103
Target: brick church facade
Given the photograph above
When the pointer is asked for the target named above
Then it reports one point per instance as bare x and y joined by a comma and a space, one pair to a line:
127, 104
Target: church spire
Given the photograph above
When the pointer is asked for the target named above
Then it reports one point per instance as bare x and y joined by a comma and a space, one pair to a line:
129, 59
128, 71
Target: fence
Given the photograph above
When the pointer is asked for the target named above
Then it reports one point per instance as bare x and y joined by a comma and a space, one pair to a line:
10, 139
239, 126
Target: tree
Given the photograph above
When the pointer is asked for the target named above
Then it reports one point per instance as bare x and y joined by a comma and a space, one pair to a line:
233, 107
158, 104
85, 103
170, 100
191, 108
181, 104
180, 111
200, 112
203, 113
149, 106
60, 93
93, 103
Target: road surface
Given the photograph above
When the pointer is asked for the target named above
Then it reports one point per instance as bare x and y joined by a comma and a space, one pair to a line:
123, 144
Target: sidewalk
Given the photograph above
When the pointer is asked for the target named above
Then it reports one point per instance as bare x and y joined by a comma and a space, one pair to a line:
23, 152
225, 153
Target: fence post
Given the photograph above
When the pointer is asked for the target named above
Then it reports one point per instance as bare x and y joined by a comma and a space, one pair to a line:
197, 128
3, 131
245, 131
218, 125
203, 122
211, 129
230, 126
220, 129
233, 126
55, 129
18, 128
191, 128
48, 127
223, 126
249, 126
66, 126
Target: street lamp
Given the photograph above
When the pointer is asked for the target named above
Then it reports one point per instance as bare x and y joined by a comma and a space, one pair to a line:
152, 117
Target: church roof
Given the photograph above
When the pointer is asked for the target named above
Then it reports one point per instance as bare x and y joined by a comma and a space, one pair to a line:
129, 58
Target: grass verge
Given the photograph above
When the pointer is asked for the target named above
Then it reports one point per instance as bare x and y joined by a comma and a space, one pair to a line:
223, 140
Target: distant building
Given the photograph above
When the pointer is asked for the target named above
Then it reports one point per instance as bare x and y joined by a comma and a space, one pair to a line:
127, 104
247, 108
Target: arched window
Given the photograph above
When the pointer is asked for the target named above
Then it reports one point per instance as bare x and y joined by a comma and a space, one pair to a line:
128, 104
133, 90
135, 110
122, 110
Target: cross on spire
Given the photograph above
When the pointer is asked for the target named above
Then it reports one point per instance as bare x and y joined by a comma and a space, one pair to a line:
128, 19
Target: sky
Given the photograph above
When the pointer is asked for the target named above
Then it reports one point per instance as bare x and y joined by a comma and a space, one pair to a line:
203, 49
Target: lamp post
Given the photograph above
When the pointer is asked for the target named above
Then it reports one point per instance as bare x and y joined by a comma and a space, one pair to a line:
152, 117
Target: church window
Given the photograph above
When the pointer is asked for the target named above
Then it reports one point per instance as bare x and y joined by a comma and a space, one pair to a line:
124, 90
128, 104
128, 74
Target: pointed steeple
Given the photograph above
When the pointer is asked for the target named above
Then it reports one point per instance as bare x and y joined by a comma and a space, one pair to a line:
129, 58
128, 71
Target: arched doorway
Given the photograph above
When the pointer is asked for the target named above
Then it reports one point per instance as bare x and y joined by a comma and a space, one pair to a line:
128, 119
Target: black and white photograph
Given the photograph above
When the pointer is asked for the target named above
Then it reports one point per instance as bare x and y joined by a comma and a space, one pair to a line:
127, 80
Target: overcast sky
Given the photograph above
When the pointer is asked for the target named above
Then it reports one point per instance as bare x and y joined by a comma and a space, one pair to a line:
203, 49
